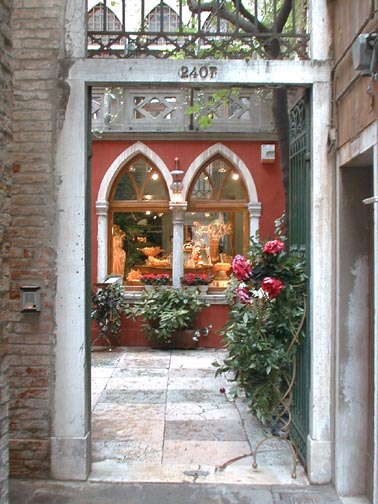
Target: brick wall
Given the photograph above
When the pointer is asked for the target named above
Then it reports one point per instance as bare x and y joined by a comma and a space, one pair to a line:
5, 184
37, 31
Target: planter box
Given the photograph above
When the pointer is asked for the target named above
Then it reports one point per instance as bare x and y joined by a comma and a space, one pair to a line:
181, 340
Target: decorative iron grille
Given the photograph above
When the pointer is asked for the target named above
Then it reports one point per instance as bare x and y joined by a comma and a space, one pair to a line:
299, 241
234, 29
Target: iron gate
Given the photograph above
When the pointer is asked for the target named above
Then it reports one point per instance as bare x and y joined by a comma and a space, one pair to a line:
299, 241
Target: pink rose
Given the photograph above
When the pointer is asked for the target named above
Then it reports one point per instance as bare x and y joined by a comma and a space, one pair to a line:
241, 268
243, 295
273, 247
272, 286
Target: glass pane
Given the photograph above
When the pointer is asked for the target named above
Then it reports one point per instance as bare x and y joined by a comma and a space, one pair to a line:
213, 237
232, 189
218, 171
162, 14
218, 181
154, 189
139, 170
124, 189
140, 182
147, 241
203, 188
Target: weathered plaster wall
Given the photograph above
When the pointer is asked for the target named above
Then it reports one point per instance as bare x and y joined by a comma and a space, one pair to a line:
354, 370
37, 29
354, 117
5, 187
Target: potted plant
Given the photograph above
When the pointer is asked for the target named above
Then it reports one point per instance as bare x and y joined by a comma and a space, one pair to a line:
166, 313
200, 280
108, 304
155, 279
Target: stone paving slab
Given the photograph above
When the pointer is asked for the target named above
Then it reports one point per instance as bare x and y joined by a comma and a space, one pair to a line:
48, 492
196, 396
202, 430
134, 396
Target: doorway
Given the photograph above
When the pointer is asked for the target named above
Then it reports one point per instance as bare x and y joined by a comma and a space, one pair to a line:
354, 428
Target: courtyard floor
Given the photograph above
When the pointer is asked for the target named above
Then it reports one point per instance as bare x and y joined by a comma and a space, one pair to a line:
159, 416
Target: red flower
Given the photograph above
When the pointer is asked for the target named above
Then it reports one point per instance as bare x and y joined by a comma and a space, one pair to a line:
272, 286
243, 295
155, 279
273, 247
241, 268
196, 279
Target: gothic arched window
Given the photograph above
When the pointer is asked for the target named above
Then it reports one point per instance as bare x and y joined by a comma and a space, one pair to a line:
162, 19
139, 217
97, 16
217, 216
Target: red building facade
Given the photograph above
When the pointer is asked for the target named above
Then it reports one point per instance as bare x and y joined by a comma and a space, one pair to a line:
250, 199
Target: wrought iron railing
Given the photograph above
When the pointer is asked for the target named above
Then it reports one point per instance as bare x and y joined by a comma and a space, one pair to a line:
235, 29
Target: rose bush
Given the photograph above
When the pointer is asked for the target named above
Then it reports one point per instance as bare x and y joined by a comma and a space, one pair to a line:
267, 301
272, 286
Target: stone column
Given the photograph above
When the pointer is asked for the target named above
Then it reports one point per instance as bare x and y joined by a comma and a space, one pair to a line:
322, 280
70, 441
178, 213
319, 456
254, 210
102, 208
319, 29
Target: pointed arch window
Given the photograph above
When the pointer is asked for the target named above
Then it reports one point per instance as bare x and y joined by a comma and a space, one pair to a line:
217, 181
101, 18
162, 20
139, 219
216, 222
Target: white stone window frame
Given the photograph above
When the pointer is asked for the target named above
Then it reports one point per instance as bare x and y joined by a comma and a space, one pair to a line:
102, 202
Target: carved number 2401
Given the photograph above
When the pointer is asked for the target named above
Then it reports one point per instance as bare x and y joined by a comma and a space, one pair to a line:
203, 72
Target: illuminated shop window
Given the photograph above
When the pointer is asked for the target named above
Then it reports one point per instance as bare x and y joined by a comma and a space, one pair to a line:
141, 230
216, 223
139, 220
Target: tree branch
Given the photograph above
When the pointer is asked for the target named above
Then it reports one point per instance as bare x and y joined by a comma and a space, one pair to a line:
245, 24
250, 17
283, 15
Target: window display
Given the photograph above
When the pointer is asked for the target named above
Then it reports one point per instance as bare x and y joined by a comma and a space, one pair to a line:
142, 227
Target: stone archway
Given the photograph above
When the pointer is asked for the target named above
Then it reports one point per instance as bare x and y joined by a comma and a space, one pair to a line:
70, 437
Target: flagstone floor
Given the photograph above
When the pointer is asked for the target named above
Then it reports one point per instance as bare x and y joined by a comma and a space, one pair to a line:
159, 416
